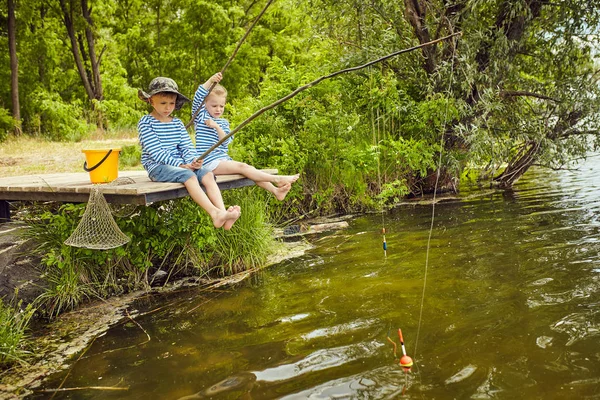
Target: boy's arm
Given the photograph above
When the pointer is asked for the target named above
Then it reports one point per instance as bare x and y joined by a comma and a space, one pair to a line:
216, 78
211, 123
200, 95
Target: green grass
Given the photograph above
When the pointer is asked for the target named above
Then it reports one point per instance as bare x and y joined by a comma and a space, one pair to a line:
248, 244
13, 326
26, 155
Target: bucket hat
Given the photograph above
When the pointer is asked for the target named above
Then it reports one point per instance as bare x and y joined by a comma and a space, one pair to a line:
163, 85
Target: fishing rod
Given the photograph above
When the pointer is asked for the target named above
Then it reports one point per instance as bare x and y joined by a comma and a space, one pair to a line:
242, 40
315, 82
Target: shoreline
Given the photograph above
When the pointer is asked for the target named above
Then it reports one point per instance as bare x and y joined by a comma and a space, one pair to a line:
76, 330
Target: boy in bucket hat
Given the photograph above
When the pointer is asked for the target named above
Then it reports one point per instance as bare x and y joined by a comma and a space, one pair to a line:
168, 153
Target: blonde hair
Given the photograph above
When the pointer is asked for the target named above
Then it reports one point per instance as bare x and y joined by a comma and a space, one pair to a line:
218, 90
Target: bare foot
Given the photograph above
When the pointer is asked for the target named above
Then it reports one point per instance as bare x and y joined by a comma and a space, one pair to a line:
285, 179
229, 223
282, 191
221, 218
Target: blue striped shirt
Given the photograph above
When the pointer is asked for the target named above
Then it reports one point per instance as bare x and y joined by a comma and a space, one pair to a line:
206, 136
164, 143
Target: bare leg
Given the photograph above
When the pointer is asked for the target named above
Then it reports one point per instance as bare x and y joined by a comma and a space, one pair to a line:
219, 217
214, 194
235, 167
213, 191
278, 191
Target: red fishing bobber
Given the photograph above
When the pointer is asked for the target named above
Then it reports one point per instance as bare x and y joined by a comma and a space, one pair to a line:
406, 362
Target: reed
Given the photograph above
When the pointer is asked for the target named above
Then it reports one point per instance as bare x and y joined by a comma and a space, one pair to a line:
248, 244
14, 323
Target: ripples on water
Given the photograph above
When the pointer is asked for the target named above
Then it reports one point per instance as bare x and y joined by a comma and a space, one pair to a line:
510, 311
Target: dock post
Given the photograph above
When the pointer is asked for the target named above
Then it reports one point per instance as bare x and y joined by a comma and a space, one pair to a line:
4, 211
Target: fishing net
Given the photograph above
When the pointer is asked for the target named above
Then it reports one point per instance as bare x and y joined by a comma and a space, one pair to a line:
97, 229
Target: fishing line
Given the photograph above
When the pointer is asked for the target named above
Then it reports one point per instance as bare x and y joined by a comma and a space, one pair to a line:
377, 144
437, 178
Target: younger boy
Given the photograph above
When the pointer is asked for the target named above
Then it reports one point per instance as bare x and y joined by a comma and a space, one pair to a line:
168, 154
210, 128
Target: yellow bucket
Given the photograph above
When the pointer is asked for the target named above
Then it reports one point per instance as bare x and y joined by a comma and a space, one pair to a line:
103, 165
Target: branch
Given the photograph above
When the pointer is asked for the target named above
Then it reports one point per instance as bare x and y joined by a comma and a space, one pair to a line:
519, 93
574, 132
316, 81
212, 86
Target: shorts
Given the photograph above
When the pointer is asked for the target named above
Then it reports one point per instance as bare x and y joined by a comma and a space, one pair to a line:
168, 173
211, 166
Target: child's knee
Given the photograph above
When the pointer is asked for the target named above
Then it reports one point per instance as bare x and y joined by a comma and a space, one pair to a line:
208, 178
245, 167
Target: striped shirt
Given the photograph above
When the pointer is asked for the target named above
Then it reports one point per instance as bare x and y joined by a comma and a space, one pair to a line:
206, 136
164, 143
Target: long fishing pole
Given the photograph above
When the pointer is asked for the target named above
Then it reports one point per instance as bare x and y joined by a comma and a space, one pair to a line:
316, 81
231, 57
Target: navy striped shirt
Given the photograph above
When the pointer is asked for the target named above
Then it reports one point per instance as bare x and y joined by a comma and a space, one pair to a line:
206, 136
164, 143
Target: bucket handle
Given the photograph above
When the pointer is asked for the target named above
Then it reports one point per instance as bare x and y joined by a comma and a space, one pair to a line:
85, 167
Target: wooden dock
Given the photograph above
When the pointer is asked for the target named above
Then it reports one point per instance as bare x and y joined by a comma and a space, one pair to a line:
134, 187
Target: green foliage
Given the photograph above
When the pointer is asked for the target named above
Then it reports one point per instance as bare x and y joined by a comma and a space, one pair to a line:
176, 236
250, 241
14, 322
55, 119
522, 72
7, 123
69, 284
130, 156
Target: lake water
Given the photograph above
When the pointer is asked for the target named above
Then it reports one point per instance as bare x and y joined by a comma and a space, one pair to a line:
510, 310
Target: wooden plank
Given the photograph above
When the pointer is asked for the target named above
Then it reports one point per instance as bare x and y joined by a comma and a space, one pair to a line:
76, 187
45, 196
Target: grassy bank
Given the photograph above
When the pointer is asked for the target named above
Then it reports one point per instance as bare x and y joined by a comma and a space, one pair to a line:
25, 155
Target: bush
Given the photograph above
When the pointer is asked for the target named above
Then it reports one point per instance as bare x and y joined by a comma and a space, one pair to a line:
176, 236
55, 119
250, 241
7, 123
14, 323
130, 156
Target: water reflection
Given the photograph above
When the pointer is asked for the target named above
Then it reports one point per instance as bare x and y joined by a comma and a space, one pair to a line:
510, 311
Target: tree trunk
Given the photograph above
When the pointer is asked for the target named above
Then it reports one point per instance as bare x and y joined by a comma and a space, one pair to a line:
416, 12
68, 21
14, 66
90, 79
94, 60
524, 159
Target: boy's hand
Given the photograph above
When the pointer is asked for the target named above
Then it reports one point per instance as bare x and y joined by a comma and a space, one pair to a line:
216, 78
197, 163
211, 123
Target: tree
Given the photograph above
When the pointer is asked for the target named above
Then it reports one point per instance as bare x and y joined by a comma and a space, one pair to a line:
14, 66
523, 82
84, 51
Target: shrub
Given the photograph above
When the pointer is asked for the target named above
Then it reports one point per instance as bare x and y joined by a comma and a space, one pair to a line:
250, 241
55, 119
7, 123
14, 322
176, 236
130, 156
